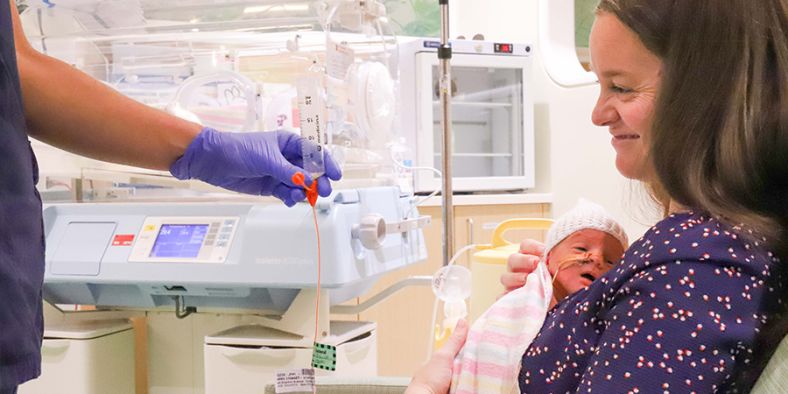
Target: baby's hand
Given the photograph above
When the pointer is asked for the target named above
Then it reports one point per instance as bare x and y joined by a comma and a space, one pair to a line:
521, 264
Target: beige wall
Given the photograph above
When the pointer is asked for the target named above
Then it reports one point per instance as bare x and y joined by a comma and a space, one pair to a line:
574, 157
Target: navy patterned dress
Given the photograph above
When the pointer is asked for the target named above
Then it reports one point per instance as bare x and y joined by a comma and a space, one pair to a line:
679, 314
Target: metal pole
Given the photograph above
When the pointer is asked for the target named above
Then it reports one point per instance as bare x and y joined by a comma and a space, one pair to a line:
444, 54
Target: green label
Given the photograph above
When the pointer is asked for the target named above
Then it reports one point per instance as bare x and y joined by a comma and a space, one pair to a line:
324, 357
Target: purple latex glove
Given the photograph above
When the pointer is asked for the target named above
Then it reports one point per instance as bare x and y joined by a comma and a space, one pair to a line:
260, 163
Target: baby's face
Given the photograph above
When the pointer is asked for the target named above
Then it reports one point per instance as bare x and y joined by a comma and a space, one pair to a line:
581, 258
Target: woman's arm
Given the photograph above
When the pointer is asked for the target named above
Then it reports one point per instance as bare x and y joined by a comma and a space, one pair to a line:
435, 376
681, 326
69, 109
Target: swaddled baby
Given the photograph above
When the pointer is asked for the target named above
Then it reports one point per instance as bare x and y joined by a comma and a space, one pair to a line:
580, 247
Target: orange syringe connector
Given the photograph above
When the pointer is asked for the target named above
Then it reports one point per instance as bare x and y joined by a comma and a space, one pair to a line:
311, 191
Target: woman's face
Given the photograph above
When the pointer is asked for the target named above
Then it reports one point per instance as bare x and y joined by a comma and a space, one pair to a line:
629, 78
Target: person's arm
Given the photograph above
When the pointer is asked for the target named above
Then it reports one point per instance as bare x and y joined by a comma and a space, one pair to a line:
434, 377
679, 327
68, 109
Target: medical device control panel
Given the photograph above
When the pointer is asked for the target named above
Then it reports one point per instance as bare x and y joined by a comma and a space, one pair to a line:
225, 255
184, 239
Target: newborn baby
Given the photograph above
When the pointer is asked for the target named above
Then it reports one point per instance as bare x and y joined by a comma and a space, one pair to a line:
580, 247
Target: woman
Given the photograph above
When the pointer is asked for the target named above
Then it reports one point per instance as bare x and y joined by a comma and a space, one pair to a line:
695, 95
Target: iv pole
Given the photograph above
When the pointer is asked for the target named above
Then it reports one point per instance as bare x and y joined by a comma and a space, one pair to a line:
444, 54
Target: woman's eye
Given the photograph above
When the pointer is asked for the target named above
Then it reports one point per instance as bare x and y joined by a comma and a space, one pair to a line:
619, 89
610, 263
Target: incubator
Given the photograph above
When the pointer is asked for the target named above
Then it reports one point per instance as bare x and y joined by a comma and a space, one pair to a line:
223, 279
243, 66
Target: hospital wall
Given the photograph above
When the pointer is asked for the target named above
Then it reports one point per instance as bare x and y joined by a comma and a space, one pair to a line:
574, 157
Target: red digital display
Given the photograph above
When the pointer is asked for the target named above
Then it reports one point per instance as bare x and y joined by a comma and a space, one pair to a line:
503, 48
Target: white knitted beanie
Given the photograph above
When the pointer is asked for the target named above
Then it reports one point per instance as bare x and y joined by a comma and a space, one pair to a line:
585, 215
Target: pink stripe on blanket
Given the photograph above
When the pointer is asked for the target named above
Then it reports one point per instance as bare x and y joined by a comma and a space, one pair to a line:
518, 312
498, 338
498, 371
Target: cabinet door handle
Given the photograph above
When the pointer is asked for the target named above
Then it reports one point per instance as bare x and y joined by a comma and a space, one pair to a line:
469, 228
54, 347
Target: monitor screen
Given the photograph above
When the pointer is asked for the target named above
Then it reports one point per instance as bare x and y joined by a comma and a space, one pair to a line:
179, 240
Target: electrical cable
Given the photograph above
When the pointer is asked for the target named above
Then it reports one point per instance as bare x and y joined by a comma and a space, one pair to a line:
398, 164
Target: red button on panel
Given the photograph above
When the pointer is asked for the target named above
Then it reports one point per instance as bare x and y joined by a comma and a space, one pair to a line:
123, 240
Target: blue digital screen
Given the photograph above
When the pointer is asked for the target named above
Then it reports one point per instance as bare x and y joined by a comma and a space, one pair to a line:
179, 240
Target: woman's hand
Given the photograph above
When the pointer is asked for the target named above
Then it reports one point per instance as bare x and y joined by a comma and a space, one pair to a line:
435, 376
521, 264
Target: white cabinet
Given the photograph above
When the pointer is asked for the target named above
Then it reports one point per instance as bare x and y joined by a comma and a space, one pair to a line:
86, 357
245, 359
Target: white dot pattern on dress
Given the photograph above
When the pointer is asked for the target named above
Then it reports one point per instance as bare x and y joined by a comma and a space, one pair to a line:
678, 314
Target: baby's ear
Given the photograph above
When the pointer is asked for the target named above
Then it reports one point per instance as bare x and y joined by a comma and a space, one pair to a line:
551, 268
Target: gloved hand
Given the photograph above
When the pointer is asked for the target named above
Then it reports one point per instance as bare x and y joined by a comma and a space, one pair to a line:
260, 163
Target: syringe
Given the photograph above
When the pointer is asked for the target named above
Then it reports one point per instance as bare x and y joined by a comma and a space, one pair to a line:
311, 110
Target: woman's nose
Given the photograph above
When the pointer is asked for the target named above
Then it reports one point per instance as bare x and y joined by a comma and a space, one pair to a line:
603, 114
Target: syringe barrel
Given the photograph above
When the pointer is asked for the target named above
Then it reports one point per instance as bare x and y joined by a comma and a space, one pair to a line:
312, 153
312, 112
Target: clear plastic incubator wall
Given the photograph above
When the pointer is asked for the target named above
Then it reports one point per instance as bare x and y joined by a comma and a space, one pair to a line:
240, 305
240, 66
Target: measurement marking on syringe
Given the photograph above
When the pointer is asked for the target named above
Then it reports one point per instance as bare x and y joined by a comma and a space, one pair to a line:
311, 107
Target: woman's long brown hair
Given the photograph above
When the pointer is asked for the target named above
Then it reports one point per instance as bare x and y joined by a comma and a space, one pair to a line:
719, 143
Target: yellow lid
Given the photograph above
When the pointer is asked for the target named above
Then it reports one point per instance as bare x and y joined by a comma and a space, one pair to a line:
500, 249
497, 255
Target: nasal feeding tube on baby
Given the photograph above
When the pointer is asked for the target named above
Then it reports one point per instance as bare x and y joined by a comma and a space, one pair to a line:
585, 258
